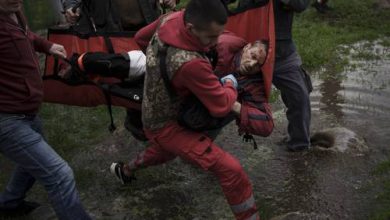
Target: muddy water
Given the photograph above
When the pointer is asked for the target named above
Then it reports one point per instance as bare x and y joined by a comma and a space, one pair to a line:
331, 184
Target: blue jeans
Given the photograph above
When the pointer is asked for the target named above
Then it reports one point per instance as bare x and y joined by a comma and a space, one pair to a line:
21, 141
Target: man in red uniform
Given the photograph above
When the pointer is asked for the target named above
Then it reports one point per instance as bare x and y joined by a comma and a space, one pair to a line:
187, 35
234, 55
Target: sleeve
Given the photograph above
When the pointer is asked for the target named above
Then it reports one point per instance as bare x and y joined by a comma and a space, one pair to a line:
104, 64
255, 115
198, 77
297, 5
70, 3
144, 35
40, 44
231, 41
228, 45
255, 119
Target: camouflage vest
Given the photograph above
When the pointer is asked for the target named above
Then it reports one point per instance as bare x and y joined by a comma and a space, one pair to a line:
157, 106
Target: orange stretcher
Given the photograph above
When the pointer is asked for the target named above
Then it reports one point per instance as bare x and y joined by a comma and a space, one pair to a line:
252, 23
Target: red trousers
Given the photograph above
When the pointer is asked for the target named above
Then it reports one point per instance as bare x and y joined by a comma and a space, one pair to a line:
194, 147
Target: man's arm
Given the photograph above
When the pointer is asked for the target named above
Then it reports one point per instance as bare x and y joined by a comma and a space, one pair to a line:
297, 5
40, 44
198, 78
71, 15
143, 36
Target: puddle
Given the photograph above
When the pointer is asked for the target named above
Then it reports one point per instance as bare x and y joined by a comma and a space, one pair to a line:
334, 184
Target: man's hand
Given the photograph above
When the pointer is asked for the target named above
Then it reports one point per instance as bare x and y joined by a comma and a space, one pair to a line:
71, 16
229, 78
57, 50
236, 108
168, 3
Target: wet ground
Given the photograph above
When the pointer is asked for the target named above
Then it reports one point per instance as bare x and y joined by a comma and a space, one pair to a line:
334, 184
319, 184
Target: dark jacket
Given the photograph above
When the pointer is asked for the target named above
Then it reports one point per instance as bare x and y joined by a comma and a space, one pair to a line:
284, 13
21, 88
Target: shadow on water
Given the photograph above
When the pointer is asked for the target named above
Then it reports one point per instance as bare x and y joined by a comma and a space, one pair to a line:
332, 184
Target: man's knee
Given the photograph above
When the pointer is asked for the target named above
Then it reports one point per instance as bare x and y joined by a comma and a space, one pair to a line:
231, 169
297, 97
66, 172
59, 175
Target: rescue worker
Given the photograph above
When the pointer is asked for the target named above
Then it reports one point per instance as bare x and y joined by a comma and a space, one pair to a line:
21, 136
186, 36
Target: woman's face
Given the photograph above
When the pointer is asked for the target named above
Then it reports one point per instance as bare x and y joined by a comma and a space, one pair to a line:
253, 56
10, 6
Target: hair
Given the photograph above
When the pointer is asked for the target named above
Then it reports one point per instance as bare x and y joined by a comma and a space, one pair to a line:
201, 13
261, 42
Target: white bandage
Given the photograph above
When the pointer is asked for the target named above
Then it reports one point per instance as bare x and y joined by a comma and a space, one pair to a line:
137, 64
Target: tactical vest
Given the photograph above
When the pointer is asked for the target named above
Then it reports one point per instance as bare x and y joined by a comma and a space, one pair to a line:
157, 106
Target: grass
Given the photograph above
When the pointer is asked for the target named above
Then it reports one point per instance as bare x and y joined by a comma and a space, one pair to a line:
382, 172
318, 36
72, 128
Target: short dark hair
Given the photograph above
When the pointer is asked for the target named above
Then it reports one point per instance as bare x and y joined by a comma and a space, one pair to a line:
201, 13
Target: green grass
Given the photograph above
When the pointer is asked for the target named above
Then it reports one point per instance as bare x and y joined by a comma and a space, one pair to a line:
318, 36
382, 172
70, 129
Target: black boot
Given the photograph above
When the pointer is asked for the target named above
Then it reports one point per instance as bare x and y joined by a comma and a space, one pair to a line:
22, 209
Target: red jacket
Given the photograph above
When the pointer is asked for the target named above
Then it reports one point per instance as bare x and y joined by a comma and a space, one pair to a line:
21, 89
196, 76
255, 116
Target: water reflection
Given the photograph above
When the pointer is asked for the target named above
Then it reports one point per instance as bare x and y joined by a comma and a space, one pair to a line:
327, 183
331, 98
362, 90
